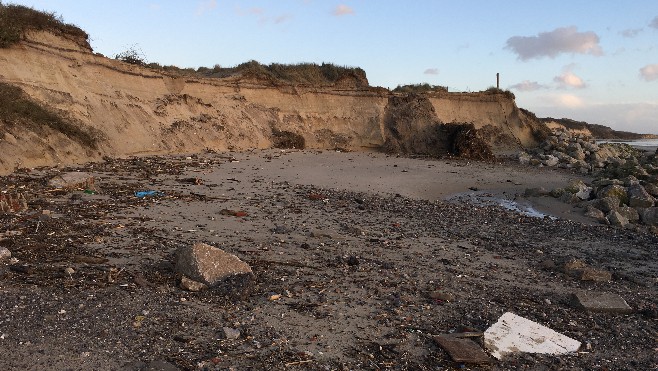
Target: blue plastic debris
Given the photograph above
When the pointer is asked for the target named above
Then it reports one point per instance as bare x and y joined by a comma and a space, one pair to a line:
142, 194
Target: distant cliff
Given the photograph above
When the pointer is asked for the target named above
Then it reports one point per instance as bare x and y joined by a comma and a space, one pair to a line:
593, 130
89, 106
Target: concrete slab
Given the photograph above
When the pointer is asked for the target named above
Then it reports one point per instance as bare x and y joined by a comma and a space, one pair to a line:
601, 302
514, 334
462, 350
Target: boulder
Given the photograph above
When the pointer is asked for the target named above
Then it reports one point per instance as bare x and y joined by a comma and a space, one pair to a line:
216, 269
579, 189
615, 218
639, 197
615, 191
606, 204
595, 213
550, 161
649, 216
651, 189
629, 213
524, 158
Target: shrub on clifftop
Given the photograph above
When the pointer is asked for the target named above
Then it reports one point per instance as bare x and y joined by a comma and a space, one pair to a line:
16, 20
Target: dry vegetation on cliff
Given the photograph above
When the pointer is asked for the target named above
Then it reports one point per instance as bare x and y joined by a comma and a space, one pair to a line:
17, 109
16, 20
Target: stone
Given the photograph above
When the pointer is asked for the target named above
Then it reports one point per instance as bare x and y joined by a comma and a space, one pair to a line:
514, 334
231, 333
574, 266
630, 181
524, 158
4, 253
462, 350
215, 268
551, 161
191, 285
615, 218
601, 302
615, 191
73, 180
579, 189
595, 213
596, 275
649, 216
606, 204
651, 189
629, 213
639, 197
442, 296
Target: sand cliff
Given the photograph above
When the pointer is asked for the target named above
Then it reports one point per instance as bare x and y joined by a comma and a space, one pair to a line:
133, 110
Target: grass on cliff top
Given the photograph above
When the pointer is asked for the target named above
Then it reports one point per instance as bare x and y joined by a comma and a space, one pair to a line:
16, 108
301, 73
16, 20
420, 88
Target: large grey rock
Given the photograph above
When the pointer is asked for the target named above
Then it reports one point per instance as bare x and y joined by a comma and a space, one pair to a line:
73, 180
606, 204
649, 216
615, 218
595, 213
579, 189
651, 189
629, 213
551, 160
216, 269
639, 197
614, 191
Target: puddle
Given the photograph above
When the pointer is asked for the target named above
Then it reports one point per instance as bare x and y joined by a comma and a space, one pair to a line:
487, 199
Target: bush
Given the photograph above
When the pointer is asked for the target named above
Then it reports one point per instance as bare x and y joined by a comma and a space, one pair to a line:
495, 90
133, 56
16, 20
287, 140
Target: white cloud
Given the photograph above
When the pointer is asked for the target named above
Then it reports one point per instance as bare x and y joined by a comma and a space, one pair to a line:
431, 71
567, 101
649, 72
568, 79
528, 85
206, 6
551, 44
343, 9
654, 23
283, 18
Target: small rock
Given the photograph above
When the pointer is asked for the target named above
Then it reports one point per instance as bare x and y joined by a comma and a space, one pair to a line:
231, 333
462, 350
601, 302
594, 213
596, 275
615, 218
4, 253
191, 285
649, 216
443, 296
639, 197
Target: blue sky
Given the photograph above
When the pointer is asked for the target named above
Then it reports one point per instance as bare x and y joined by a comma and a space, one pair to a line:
595, 61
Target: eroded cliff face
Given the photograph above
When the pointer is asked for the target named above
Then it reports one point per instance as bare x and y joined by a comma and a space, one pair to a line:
131, 110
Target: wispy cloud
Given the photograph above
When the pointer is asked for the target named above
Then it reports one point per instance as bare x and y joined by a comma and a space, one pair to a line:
631, 32
431, 71
556, 42
654, 23
527, 85
343, 9
262, 15
568, 79
649, 72
282, 18
206, 6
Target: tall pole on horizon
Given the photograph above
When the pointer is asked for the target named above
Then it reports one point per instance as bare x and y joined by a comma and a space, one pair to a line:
497, 80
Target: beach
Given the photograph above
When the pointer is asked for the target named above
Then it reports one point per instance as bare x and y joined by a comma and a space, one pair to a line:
359, 259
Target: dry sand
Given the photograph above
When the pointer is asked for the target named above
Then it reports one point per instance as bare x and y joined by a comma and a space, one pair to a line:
369, 263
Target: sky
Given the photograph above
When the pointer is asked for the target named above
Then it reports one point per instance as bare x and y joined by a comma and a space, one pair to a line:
594, 61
